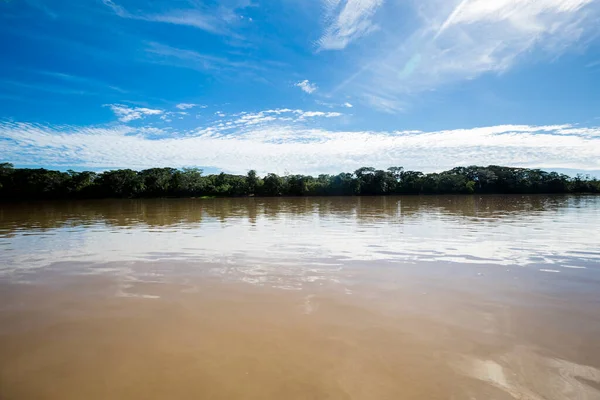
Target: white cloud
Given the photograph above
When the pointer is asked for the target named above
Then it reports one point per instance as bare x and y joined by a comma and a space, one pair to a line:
191, 59
334, 105
280, 115
193, 18
216, 20
524, 15
275, 145
80, 80
306, 86
311, 114
186, 106
127, 114
460, 40
249, 119
168, 116
117, 9
593, 64
347, 20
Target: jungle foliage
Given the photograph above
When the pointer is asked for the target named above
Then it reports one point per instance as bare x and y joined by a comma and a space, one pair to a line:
25, 183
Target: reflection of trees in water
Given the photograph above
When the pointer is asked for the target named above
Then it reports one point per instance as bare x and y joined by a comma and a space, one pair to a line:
189, 212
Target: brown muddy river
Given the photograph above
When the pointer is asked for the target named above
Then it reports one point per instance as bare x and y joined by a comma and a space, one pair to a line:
494, 297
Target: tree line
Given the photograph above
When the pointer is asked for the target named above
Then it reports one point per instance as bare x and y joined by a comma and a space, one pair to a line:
27, 183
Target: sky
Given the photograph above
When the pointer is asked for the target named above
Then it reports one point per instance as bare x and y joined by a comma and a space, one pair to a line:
300, 86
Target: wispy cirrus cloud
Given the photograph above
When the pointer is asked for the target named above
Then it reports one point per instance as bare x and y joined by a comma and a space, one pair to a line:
276, 145
593, 64
193, 18
80, 80
59, 83
47, 87
191, 59
347, 20
459, 40
117, 9
216, 21
524, 15
307, 86
128, 114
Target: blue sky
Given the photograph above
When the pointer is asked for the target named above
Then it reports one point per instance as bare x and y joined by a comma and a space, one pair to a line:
300, 86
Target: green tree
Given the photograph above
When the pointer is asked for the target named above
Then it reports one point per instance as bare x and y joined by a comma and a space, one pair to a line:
252, 181
81, 183
121, 183
273, 185
157, 181
6, 171
25, 183
188, 182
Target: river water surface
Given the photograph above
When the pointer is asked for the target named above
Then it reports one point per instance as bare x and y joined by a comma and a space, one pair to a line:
458, 297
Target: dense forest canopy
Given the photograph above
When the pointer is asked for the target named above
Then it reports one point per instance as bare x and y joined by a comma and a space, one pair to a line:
25, 183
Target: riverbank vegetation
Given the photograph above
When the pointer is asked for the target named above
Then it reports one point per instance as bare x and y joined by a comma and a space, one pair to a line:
26, 183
